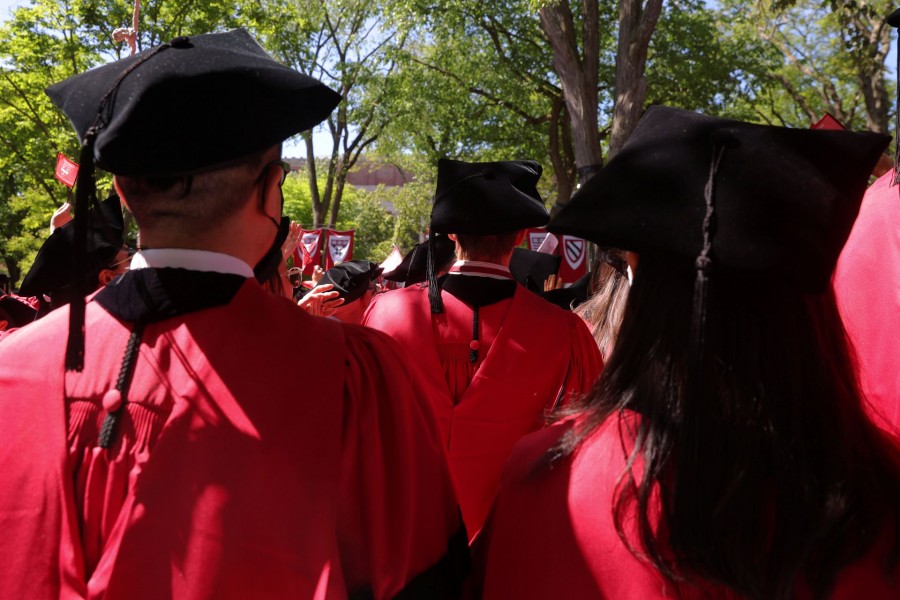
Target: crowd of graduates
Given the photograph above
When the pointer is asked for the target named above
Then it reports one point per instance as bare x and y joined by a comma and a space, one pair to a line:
713, 412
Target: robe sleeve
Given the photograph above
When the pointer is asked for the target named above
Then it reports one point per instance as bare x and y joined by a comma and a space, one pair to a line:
586, 363
399, 528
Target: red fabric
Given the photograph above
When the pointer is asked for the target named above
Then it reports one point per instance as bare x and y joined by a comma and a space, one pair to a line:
551, 532
529, 349
338, 247
867, 288
231, 477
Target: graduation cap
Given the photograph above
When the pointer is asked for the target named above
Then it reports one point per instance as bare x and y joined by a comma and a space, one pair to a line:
351, 279
413, 268
187, 106
487, 198
750, 198
193, 104
484, 198
532, 269
20, 310
51, 272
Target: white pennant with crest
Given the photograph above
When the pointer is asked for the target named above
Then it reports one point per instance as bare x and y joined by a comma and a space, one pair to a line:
338, 247
535, 239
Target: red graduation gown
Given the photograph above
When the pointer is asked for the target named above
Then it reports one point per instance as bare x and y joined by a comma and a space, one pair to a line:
263, 453
551, 532
530, 349
867, 289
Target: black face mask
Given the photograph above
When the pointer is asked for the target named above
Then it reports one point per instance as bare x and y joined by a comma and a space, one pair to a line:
268, 264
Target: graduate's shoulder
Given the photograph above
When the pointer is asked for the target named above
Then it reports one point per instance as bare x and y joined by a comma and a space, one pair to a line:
366, 343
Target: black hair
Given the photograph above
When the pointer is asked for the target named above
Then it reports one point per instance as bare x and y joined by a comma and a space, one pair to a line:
765, 472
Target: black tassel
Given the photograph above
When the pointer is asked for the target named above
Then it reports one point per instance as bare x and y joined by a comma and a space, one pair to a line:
704, 262
85, 197
474, 345
85, 192
434, 292
111, 422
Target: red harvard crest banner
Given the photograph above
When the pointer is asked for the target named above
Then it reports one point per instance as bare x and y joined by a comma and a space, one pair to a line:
66, 170
338, 247
574, 262
309, 252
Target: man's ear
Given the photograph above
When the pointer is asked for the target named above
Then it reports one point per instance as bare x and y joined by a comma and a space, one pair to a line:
3, 324
105, 277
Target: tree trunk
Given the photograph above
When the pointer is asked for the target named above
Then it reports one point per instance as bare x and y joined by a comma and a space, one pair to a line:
579, 74
558, 158
318, 209
636, 25
339, 180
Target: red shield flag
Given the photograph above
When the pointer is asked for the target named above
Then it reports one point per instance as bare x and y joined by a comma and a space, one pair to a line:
309, 252
340, 247
66, 169
574, 263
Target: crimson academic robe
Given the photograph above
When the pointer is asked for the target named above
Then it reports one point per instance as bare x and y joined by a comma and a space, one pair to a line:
867, 289
262, 453
551, 532
530, 350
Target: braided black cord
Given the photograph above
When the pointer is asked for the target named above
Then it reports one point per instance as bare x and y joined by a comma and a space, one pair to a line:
473, 351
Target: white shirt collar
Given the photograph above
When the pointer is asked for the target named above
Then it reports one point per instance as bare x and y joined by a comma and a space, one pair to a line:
193, 260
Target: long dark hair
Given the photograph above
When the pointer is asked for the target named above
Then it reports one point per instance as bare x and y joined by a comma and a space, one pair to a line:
768, 473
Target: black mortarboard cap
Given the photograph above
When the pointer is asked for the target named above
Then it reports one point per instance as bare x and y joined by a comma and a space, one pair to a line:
351, 279
413, 268
532, 269
202, 103
784, 199
51, 271
19, 310
487, 198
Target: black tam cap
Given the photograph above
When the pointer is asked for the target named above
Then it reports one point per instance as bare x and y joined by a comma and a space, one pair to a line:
487, 198
784, 200
532, 269
20, 311
351, 279
51, 272
196, 103
413, 268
